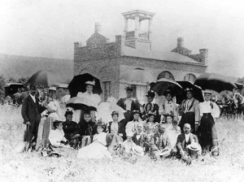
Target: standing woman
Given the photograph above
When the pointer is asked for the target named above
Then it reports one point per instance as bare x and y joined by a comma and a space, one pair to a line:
190, 111
208, 134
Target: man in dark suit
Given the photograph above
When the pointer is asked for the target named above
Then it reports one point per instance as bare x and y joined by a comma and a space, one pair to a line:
31, 114
129, 104
150, 107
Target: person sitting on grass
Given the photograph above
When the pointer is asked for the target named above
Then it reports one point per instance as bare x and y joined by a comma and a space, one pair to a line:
71, 130
173, 132
141, 139
160, 144
87, 129
98, 148
56, 136
187, 145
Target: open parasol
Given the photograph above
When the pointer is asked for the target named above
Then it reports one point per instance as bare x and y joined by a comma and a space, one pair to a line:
197, 92
78, 84
137, 76
164, 84
214, 82
45, 78
80, 103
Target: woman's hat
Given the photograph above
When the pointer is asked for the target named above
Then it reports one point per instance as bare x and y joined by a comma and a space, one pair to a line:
101, 124
150, 113
56, 123
150, 93
188, 90
52, 88
207, 92
115, 113
171, 114
68, 112
129, 88
168, 91
194, 146
136, 112
90, 83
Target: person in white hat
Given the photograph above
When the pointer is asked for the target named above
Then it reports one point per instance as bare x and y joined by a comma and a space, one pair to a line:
132, 125
207, 129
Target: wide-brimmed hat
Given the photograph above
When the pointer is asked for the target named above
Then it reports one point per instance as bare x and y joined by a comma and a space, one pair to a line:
165, 152
189, 90
115, 113
92, 83
55, 123
194, 146
171, 114
136, 112
150, 93
150, 113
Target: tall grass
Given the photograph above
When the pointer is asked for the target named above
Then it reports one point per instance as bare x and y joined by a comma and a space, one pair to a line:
229, 166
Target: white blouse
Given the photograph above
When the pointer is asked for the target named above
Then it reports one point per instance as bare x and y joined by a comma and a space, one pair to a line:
205, 107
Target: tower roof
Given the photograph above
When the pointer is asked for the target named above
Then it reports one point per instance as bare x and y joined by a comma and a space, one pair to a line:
143, 15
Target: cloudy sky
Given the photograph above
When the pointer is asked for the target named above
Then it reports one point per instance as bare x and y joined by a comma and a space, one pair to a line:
48, 28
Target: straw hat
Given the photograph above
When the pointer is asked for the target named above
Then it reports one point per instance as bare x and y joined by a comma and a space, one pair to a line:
194, 146
90, 83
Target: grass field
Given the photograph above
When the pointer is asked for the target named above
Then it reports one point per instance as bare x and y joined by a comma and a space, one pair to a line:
229, 166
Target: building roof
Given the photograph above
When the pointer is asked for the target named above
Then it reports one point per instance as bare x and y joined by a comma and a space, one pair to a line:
157, 55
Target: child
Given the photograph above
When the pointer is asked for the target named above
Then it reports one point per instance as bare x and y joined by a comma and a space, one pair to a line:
98, 148
56, 136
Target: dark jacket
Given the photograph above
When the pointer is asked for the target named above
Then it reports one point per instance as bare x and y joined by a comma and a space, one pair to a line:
70, 128
134, 105
154, 108
181, 143
121, 129
87, 128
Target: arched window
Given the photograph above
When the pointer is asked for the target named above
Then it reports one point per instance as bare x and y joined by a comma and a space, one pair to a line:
166, 74
190, 77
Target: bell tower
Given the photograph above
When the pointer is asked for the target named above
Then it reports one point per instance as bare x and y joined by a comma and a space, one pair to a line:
138, 38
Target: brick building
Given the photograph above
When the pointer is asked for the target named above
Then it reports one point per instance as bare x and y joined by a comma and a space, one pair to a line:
109, 60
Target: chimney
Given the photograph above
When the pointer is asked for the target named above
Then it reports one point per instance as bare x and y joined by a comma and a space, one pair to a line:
204, 55
97, 27
180, 42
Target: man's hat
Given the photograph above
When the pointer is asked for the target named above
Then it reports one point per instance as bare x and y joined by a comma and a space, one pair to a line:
68, 112
33, 87
194, 146
188, 90
136, 112
90, 83
150, 93
129, 88
115, 113
171, 114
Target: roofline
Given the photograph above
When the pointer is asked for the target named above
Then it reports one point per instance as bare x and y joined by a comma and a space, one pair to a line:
178, 62
138, 11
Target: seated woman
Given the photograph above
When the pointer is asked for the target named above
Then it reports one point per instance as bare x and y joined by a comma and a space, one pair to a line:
116, 130
87, 129
71, 130
151, 125
56, 136
160, 144
98, 148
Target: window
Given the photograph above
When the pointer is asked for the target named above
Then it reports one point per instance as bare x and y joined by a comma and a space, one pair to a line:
190, 78
107, 89
166, 74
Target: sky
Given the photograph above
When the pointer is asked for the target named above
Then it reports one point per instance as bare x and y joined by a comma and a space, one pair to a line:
49, 28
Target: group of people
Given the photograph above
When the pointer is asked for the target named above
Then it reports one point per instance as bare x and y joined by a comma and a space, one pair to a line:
183, 131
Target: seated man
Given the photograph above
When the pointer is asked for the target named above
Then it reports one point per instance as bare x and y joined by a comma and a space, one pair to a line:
160, 143
187, 145
71, 130
87, 130
140, 138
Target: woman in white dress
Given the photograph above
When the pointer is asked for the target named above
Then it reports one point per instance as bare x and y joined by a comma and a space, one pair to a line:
98, 148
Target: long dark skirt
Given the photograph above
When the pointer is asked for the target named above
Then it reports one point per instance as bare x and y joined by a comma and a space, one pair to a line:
207, 130
188, 117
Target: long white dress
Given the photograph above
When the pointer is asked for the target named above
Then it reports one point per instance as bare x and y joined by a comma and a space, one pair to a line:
173, 133
96, 150
56, 136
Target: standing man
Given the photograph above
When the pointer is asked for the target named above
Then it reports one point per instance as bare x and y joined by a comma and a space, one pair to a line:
150, 107
129, 104
190, 111
31, 114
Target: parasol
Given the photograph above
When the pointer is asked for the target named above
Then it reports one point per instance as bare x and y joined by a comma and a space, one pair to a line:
137, 76
214, 82
80, 103
78, 84
197, 91
44, 78
164, 84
